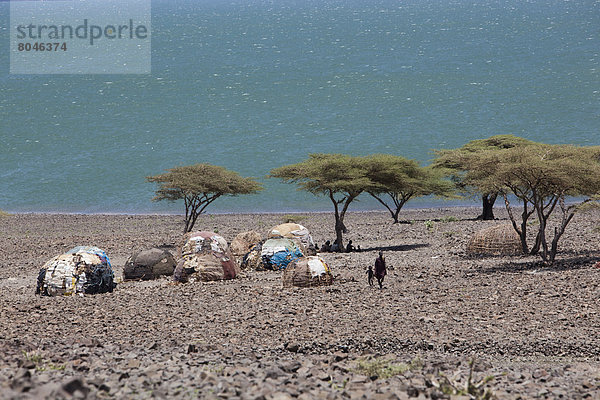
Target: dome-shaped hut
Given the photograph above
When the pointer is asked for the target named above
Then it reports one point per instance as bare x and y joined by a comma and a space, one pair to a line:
292, 231
149, 264
205, 256
499, 240
276, 254
82, 269
253, 258
244, 242
307, 272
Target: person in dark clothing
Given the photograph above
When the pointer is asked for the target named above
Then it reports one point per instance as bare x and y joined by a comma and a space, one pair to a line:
349, 247
370, 275
335, 247
380, 270
326, 248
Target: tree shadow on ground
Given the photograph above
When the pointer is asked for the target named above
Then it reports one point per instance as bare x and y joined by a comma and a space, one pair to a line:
561, 264
401, 247
445, 220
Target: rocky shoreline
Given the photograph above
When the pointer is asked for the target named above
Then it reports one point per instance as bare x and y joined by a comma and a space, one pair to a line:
533, 328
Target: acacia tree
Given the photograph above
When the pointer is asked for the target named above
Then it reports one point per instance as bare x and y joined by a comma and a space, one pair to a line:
396, 180
541, 177
458, 162
199, 185
342, 178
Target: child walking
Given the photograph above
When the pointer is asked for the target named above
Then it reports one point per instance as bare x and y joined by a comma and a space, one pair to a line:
370, 275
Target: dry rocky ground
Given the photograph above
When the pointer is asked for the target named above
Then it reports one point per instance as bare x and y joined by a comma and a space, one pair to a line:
535, 329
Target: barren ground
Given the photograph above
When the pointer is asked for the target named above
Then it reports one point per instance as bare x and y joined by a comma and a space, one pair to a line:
536, 329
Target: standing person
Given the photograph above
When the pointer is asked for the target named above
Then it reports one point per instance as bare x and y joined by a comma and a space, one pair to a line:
370, 275
380, 270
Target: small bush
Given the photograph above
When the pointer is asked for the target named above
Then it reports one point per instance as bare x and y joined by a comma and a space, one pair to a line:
41, 364
4, 214
429, 224
450, 218
473, 389
381, 368
33, 357
293, 218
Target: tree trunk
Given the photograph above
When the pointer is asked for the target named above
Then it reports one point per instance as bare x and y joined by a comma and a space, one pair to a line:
542, 234
339, 221
536, 246
488, 201
522, 232
567, 215
554, 247
339, 230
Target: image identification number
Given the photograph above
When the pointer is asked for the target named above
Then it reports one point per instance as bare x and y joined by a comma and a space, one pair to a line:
42, 46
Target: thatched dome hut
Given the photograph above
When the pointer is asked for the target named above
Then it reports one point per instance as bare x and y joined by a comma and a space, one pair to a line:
499, 240
83, 269
149, 264
307, 272
205, 256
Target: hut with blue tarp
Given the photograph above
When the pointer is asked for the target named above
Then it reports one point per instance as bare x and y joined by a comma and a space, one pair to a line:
276, 254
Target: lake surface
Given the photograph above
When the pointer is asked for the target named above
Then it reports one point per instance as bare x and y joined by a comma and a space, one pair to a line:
253, 85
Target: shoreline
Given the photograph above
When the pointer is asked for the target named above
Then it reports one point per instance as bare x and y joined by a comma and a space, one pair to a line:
160, 214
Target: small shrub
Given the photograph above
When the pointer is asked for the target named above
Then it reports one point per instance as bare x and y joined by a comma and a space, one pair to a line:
4, 214
41, 364
450, 233
429, 224
33, 357
382, 368
450, 218
339, 387
56, 367
471, 388
215, 368
293, 218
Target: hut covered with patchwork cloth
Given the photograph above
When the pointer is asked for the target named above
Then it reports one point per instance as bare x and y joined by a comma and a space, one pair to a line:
276, 254
83, 269
205, 256
292, 231
307, 272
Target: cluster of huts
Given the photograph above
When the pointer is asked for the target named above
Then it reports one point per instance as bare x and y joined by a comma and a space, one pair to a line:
206, 256
202, 256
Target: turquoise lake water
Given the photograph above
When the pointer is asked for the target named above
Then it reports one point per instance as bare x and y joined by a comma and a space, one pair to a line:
253, 85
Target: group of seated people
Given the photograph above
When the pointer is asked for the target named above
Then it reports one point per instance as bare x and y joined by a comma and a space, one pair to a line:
336, 248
